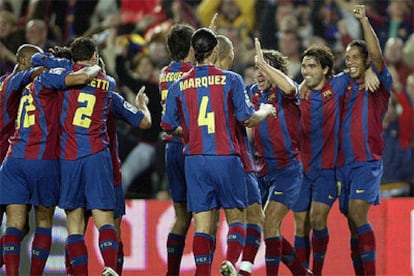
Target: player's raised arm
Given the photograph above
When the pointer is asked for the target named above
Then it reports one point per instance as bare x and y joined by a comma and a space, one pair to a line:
371, 39
276, 76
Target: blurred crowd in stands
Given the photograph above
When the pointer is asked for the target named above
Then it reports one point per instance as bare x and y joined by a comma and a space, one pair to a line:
131, 36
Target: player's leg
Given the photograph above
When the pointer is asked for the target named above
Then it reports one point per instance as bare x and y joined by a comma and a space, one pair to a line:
364, 191
16, 220
75, 243
301, 241
108, 240
120, 254
324, 194
300, 210
254, 224
176, 237
358, 214
274, 214
202, 242
174, 164
320, 237
42, 241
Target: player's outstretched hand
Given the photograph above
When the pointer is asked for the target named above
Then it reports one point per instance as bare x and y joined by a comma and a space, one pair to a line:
270, 109
141, 99
371, 80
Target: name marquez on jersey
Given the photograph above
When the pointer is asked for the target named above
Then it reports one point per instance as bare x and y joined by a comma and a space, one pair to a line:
171, 76
202, 82
100, 84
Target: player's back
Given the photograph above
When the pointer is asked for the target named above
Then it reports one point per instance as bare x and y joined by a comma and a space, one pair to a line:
211, 100
83, 117
11, 86
168, 76
36, 133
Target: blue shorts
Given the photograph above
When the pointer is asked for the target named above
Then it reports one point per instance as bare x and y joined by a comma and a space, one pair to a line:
253, 192
87, 182
174, 165
319, 186
359, 180
24, 181
284, 184
214, 182
119, 210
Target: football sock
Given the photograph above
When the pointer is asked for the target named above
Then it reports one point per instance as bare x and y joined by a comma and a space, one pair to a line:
273, 254
175, 249
236, 238
320, 240
41, 245
11, 250
77, 254
201, 251
108, 245
367, 249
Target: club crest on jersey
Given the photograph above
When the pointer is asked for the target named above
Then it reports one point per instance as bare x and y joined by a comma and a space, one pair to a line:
327, 94
271, 98
130, 107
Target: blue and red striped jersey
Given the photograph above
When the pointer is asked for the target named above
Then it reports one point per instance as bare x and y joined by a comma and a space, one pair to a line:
320, 118
36, 134
361, 133
83, 117
245, 151
168, 75
11, 87
123, 110
207, 102
277, 138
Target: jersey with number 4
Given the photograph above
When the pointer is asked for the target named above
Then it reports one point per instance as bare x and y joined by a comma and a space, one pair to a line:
83, 117
207, 102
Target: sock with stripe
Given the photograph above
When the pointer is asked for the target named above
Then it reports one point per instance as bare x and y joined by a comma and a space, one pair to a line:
320, 240
253, 239
11, 250
290, 260
108, 245
236, 237
273, 254
77, 254
175, 249
202, 251
41, 245
302, 249
367, 249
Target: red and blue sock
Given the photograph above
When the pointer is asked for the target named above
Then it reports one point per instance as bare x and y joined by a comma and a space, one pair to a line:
302, 248
367, 248
108, 245
202, 251
236, 237
11, 250
77, 254
175, 249
320, 240
41, 245
120, 258
273, 254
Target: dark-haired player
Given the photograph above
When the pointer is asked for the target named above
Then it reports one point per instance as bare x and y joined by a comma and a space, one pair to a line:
320, 118
207, 102
179, 46
11, 87
86, 165
30, 172
277, 150
361, 143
